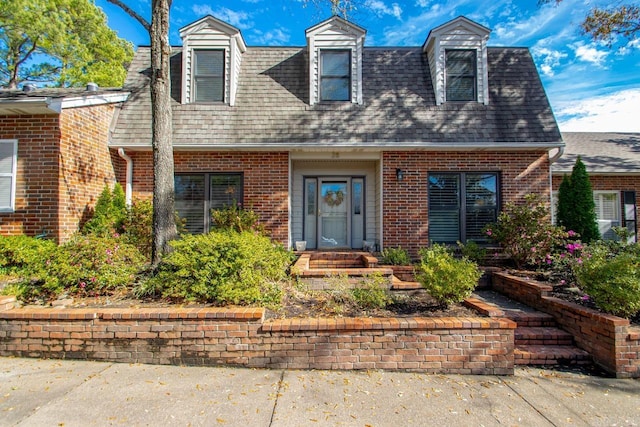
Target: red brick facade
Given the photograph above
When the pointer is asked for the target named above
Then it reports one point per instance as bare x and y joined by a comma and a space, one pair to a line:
63, 165
265, 177
406, 208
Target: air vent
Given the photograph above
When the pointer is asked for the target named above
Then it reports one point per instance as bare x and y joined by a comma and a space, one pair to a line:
92, 87
29, 87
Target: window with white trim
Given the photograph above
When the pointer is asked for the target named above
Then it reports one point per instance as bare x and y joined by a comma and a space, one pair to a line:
208, 75
607, 212
335, 75
197, 194
461, 205
461, 72
8, 163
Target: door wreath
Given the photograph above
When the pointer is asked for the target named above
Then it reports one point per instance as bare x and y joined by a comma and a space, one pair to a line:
334, 198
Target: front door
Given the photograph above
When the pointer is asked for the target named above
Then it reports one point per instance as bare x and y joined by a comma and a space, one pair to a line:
334, 212
333, 209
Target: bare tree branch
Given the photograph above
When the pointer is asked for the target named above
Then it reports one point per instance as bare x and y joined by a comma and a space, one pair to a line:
132, 13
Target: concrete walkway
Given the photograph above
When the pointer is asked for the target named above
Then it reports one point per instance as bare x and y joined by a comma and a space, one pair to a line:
77, 393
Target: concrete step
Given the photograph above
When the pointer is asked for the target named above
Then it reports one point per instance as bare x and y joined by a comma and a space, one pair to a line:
530, 318
542, 335
7, 302
550, 355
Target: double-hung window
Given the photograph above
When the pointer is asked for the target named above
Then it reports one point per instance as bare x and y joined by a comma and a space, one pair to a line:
461, 205
461, 75
208, 75
8, 162
608, 212
335, 75
197, 194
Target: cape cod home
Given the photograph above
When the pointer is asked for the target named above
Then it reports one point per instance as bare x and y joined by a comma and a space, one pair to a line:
335, 143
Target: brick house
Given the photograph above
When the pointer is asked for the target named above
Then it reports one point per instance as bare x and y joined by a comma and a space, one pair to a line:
341, 145
54, 157
338, 144
613, 163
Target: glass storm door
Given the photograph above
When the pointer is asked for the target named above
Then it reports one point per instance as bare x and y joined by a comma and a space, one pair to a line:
333, 214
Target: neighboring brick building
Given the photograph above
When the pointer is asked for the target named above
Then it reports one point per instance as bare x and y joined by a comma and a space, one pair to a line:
345, 146
54, 158
613, 163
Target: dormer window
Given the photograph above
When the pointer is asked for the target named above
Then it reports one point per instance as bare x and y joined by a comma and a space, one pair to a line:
461, 75
335, 75
458, 61
208, 75
212, 51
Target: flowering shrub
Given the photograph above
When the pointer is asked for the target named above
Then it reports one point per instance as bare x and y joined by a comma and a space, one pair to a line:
447, 279
22, 255
526, 234
91, 265
611, 280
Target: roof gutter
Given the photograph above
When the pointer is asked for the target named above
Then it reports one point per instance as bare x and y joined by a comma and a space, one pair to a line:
557, 155
129, 175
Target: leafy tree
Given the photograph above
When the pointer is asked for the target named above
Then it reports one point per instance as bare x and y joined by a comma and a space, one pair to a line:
576, 208
59, 42
607, 24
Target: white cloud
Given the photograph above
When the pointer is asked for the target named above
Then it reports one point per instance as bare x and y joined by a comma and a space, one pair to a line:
616, 112
379, 8
589, 53
423, 3
276, 37
550, 59
240, 20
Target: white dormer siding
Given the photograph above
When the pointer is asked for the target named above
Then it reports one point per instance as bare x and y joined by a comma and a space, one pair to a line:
205, 34
339, 35
458, 34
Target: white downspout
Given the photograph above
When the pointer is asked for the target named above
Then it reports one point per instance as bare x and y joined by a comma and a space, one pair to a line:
129, 175
552, 160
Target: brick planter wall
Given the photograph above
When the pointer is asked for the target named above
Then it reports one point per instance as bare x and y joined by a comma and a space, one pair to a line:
240, 337
611, 340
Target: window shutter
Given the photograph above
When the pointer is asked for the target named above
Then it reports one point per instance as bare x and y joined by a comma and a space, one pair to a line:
630, 209
7, 173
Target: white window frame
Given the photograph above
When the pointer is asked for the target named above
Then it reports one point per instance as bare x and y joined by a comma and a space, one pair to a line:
13, 175
195, 77
322, 76
599, 211
449, 75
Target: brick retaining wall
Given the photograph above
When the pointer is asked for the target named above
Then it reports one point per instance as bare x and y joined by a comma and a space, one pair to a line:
611, 340
240, 337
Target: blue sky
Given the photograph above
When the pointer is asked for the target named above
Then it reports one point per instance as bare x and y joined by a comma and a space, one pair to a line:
591, 86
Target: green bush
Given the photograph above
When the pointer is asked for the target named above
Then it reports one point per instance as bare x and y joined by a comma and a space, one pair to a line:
222, 267
395, 256
472, 251
612, 281
235, 218
525, 232
92, 265
576, 207
447, 279
22, 255
372, 292
109, 213
137, 226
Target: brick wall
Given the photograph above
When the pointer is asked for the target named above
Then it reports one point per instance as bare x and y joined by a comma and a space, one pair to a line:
216, 336
37, 174
85, 164
612, 183
406, 202
613, 343
266, 181
63, 164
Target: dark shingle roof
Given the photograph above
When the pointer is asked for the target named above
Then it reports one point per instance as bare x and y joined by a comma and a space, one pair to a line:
272, 104
602, 153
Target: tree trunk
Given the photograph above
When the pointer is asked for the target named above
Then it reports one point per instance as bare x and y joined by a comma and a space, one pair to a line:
164, 224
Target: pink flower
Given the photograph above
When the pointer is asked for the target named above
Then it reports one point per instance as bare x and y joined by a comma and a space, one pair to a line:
571, 233
489, 232
83, 285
